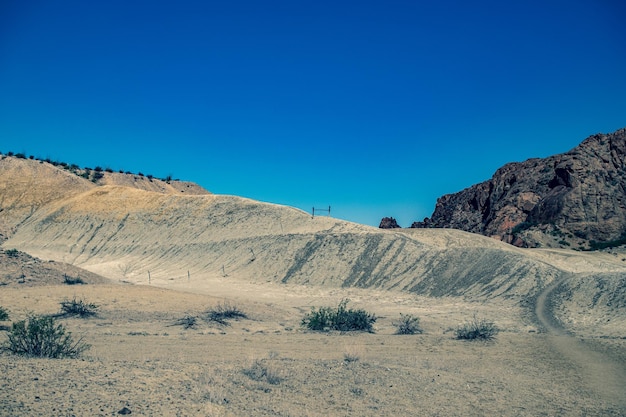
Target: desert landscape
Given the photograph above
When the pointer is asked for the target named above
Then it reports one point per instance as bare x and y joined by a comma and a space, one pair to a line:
155, 257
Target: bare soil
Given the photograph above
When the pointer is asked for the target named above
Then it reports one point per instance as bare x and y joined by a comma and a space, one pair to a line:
269, 365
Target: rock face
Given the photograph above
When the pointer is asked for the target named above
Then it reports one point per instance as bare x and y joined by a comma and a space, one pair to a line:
388, 223
576, 197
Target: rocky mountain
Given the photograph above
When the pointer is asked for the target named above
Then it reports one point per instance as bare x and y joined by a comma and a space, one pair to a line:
389, 223
575, 199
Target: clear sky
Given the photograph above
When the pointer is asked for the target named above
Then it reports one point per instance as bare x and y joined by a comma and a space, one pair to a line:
374, 108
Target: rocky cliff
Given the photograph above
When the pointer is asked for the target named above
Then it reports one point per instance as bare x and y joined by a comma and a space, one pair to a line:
575, 199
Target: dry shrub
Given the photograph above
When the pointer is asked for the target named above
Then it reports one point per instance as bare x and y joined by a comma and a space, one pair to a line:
41, 336
259, 370
77, 307
341, 319
4, 314
477, 329
226, 311
408, 324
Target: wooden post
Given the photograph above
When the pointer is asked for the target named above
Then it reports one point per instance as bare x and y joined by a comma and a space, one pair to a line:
188, 276
148, 277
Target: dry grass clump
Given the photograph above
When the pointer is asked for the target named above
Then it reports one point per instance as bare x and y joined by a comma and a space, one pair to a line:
408, 324
187, 322
353, 353
225, 311
259, 370
477, 329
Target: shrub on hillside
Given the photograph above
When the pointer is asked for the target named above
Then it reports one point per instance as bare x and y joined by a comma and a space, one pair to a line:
41, 336
477, 329
340, 318
408, 324
72, 281
12, 253
96, 176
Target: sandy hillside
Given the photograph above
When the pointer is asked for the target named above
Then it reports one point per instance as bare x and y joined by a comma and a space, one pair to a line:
152, 257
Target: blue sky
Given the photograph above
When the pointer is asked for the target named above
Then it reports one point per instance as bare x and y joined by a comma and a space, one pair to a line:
373, 108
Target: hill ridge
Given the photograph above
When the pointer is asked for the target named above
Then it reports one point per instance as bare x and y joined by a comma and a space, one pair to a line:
161, 238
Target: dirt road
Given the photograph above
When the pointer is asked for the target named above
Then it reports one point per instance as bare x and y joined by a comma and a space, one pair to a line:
599, 371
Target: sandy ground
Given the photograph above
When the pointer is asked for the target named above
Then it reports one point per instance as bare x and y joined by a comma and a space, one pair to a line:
140, 360
170, 251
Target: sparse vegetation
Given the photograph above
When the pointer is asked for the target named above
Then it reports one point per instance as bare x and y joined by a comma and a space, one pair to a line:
223, 312
187, 322
593, 245
260, 371
520, 227
4, 314
477, 329
12, 253
341, 319
352, 354
72, 281
41, 336
94, 174
408, 324
77, 307
97, 175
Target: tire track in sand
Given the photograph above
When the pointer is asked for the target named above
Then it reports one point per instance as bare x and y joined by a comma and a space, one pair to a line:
603, 374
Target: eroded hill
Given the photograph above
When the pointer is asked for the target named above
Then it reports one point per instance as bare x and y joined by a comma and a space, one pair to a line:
145, 236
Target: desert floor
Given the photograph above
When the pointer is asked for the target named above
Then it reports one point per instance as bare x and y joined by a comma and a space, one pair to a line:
268, 365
